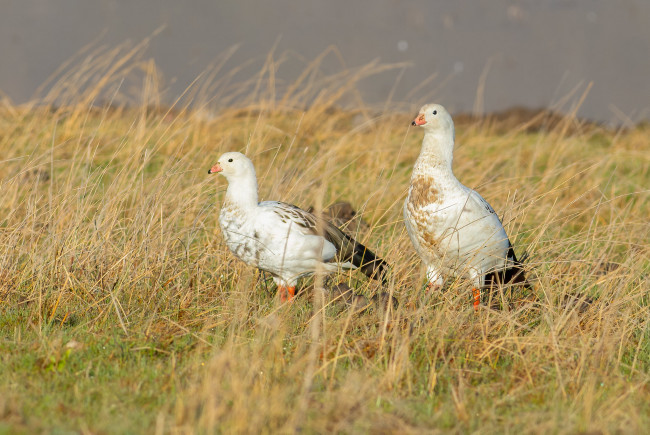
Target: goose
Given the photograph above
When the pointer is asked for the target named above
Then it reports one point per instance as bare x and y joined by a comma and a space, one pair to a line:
452, 228
283, 239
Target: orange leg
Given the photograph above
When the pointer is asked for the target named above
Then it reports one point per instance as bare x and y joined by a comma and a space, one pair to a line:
477, 298
282, 291
286, 293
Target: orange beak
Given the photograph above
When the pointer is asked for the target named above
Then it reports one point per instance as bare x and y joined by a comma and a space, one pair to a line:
215, 168
419, 120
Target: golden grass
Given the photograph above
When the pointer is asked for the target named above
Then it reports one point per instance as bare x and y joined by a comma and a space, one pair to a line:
122, 310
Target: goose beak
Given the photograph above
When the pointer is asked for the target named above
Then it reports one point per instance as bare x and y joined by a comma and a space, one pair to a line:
215, 168
419, 120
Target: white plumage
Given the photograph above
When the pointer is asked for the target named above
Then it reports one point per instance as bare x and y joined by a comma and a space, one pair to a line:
453, 229
280, 238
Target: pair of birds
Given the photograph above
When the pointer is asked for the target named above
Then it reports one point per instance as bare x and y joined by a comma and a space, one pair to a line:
453, 229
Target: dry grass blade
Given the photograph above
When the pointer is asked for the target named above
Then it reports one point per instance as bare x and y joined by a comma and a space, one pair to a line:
121, 310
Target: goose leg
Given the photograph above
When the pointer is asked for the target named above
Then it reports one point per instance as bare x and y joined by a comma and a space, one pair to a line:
434, 280
477, 283
286, 293
477, 277
476, 294
282, 291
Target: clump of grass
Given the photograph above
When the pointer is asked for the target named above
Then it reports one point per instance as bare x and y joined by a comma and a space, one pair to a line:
122, 310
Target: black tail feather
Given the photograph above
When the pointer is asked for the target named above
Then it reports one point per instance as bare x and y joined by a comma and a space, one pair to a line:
368, 263
515, 274
350, 250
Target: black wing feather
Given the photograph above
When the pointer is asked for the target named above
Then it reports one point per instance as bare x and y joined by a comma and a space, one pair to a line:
515, 274
347, 248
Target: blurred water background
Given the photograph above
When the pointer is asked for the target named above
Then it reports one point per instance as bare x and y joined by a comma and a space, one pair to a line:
471, 55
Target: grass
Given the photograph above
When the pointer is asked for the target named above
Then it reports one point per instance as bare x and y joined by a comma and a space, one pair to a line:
121, 309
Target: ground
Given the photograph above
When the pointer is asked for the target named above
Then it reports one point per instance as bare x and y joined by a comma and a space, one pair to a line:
121, 309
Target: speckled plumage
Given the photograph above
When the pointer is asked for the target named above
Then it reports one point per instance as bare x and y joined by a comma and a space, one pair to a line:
453, 229
281, 238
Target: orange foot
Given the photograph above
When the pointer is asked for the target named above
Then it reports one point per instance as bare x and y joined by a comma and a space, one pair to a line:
431, 287
286, 293
477, 298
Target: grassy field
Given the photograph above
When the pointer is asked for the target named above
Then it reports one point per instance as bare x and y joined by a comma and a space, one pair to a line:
121, 309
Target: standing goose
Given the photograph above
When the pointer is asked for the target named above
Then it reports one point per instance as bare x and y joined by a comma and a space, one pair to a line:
453, 229
281, 238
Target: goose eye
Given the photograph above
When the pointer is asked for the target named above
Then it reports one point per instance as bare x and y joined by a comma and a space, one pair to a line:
435, 112
230, 160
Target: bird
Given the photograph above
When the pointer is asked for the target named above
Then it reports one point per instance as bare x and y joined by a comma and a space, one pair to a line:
281, 238
452, 228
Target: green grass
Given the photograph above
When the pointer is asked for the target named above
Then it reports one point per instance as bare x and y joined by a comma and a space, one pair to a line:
122, 311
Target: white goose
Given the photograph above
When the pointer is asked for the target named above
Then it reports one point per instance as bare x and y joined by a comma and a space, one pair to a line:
453, 229
281, 238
